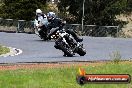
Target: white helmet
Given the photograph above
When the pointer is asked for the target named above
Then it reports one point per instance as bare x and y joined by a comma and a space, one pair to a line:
38, 11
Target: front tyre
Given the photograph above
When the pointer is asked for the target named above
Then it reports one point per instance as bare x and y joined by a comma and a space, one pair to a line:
67, 52
62, 46
81, 51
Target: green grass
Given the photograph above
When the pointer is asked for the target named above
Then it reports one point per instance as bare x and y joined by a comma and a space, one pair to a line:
60, 77
4, 50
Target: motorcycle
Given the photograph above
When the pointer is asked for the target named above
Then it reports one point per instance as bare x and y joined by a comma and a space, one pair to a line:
67, 44
41, 31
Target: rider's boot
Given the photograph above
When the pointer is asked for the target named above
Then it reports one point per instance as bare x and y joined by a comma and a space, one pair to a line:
76, 37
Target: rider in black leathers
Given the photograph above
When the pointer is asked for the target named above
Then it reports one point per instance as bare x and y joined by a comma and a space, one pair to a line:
55, 22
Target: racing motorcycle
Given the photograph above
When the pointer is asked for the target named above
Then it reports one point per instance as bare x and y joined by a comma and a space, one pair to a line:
41, 31
67, 43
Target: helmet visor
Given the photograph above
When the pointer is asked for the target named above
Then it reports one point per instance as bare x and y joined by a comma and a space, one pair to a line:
38, 14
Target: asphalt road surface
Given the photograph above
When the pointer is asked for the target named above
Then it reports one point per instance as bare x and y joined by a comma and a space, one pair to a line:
36, 50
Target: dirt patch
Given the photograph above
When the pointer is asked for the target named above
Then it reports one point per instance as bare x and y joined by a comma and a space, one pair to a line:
46, 65
54, 65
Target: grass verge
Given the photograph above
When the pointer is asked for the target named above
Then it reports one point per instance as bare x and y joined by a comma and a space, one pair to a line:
62, 77
4, 50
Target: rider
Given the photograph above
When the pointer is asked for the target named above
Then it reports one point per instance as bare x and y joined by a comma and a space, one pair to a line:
40, 21
55, 22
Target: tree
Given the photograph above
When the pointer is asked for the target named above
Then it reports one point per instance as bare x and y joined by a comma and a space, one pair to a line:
98, 12
20, 9
129, 6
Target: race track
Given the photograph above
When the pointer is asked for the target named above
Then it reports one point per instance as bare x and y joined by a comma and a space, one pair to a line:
36, 50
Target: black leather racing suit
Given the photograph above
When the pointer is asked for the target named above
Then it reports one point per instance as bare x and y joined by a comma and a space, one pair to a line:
56, 22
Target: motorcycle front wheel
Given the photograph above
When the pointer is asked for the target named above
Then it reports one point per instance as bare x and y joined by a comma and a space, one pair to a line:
81, 51
62, 46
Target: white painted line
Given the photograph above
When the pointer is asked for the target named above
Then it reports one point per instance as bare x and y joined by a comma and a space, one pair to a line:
13, 52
